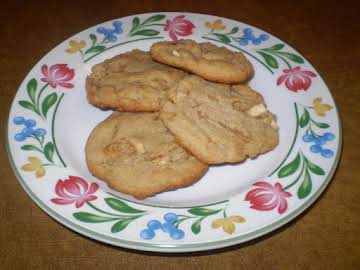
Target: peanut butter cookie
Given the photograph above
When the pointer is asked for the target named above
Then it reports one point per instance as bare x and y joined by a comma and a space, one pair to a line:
206, 60
219, 123
137, 155
130, 82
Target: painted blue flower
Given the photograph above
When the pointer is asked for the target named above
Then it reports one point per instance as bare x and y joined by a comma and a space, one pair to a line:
117, 27
28, 130
19, 120
110, 33
147, 234
168, 227
249, 37
318, 142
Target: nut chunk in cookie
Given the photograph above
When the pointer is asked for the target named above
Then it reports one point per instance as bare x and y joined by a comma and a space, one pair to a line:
219, 123
206, 60
131, 81
137, 155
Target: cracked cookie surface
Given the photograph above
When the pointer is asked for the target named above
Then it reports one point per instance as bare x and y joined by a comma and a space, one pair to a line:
137, 155
206, 60
219, 123
131, 81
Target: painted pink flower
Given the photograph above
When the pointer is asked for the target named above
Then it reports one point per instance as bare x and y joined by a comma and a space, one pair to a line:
179, 27
296, 79
267, 197
58, 74
74, 190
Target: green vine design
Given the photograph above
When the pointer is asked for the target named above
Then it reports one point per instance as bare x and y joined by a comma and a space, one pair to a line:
46, 149
307, 120
270, 54
119, 44
127, 216
139, 28
41, 106
96, 46
198, 214
35, 98
301, 162
293, 142
306, 167
226, 37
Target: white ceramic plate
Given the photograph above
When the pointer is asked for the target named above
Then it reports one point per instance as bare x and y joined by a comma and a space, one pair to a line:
50, 120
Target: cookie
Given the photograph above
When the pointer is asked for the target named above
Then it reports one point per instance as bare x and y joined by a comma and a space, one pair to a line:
130, 82
206, 60
137, 155
219, 123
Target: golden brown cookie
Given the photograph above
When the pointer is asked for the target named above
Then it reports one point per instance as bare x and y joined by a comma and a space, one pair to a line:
206, 60
137, 155
130, 82
219, 123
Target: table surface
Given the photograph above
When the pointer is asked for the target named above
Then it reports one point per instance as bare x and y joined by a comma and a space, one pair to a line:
327, 236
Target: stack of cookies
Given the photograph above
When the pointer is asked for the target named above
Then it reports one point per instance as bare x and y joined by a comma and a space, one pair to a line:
177, 109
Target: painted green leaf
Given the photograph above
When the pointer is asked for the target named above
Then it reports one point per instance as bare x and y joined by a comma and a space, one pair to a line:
93, 39
305, 188
270, 60
121, 206
135, 24
222, 38
292, 57
31, 89
27, 105
290, 168
321, 125
91, 218
146, 32
48, 102
314, 168
49, 151
196, 226
304, 119
154, 18
233, 31
203, 212
29, 147
95, 49
120, 225
276, 47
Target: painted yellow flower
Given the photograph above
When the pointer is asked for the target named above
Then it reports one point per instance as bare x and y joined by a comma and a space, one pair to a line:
227, 223
321, 108
215, 25
75, 46
34, 165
